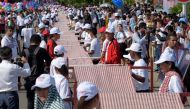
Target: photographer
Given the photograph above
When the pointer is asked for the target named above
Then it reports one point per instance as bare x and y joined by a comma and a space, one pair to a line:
140, 36
9, 79
39, 61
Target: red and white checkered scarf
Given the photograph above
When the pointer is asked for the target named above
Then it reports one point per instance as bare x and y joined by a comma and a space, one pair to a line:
165, 85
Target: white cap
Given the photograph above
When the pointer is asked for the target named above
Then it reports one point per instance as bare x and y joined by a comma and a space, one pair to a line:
55, 30
59, 62
116, 14
44, 18
87, 26
59, 50
136, 47
128, 57
110, 30
166, 56
43, 81
87, 89
41, 25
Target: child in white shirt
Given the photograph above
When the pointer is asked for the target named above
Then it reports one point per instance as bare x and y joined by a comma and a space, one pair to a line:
62, 84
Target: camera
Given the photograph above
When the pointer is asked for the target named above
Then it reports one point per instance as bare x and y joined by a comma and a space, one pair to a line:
18, 62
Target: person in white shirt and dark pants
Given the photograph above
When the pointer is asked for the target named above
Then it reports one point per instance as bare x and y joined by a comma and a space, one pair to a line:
95, 50
9, 79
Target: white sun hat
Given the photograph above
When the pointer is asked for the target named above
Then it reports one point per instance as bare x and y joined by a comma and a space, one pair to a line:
41, 25
136, 47
55, 30
87, 89
59, 50
59, 62
166, 56
43, 81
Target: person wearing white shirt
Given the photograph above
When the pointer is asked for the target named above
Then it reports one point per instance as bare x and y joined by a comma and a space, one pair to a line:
120, 35
78, 26
62, 83
11, 42
116, 22
86, 36
129, 34
20, 23
170, 49
43, 43
140, 76
110, 22
20, 20
95, 50
172, 82
9, 79
139, 37
172, 41
121, 39
59, 52
27, 33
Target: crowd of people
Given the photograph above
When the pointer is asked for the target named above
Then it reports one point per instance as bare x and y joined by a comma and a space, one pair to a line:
29, 49
132, 37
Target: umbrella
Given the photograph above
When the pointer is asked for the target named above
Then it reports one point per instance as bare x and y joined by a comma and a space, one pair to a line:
105, 5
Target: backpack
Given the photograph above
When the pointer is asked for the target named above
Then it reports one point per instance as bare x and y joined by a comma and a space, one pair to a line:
30, 81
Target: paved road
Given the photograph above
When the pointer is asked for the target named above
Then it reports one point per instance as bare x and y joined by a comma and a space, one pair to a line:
22, 100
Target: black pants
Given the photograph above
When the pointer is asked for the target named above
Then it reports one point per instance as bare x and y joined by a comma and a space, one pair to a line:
95, 25
20, 30
123, 46
30, 94
95, 61
9, 100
